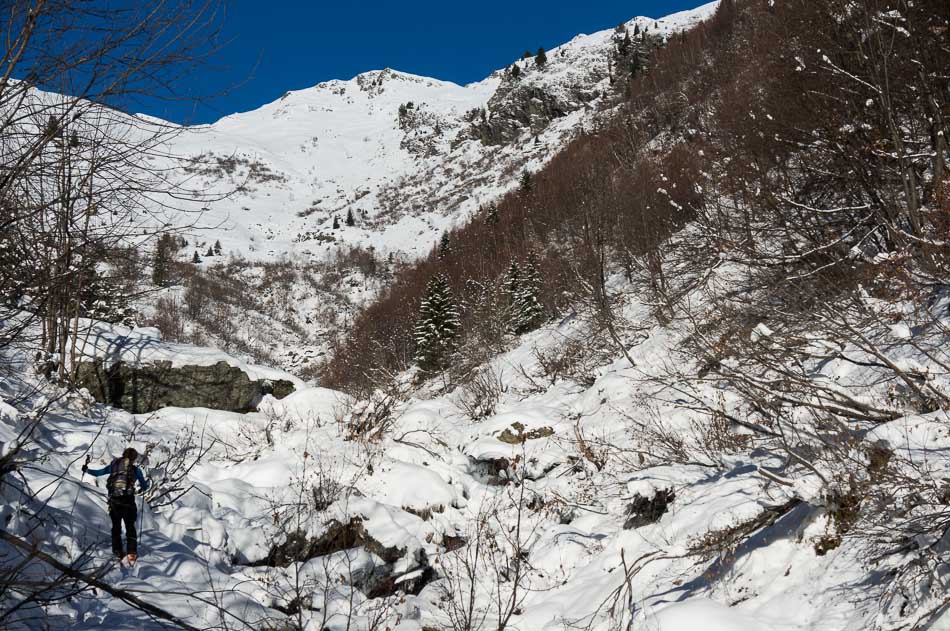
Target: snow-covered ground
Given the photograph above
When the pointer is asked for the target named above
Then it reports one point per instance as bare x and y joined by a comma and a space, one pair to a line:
556, 473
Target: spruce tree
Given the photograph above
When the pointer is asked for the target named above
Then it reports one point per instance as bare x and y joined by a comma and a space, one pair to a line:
525, 182
510, 281
437, 327
527, 312
196, 259
217, 248
210, 251
493, 218
515, 71
526, 55
350, 220
336, 222
445, 246
541, 58
161, 263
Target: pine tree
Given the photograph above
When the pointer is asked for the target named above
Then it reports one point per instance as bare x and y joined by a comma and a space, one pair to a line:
526, 183
217, 248
527, 312
515, 71
161, 263
437, 327
510, 281
445, 246
210, 252
526, 55
336, 222
541, 58
350, 220
196, 259
493, 218
623, 48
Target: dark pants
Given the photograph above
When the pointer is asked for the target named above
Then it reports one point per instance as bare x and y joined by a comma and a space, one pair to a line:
123, 510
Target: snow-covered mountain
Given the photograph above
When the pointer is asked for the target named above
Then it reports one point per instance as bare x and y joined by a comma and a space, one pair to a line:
409, 156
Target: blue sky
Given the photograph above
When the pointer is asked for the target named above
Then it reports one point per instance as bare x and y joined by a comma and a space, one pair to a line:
279, 45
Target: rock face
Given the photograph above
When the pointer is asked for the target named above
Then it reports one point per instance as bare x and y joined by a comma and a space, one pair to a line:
148, 387
376, 582
515, 108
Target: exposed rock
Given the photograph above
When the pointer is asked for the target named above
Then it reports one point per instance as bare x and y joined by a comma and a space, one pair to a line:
339, 536
519, 436
517, 106
148, 387
643, 511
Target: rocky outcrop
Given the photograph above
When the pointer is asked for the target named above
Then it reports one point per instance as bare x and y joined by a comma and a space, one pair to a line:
643, 511
519, 106
375, 582
143, 388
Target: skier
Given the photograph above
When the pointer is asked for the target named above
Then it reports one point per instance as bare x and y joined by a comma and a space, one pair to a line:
121, 487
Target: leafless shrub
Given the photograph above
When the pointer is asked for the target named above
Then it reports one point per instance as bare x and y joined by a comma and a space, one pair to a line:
479, 396
169, 318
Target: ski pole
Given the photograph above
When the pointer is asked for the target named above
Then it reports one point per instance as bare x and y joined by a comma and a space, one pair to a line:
82, 478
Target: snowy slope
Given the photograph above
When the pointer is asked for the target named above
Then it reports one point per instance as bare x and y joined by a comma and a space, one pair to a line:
338, 147
431, 479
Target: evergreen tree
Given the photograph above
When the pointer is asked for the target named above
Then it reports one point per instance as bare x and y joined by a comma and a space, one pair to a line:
525, 183
541, 58
336, 222
526, 55
210, 251
161, 263
196, 259
217, 248
515, 71
636, 28
437, 327
493, 218
510, 281
527, 312
445, 246
350, 220
625, 45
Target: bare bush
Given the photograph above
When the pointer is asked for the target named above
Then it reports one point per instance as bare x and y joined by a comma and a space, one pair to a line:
479, 396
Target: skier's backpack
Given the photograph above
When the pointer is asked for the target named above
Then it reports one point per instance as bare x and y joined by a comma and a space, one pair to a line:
121, 482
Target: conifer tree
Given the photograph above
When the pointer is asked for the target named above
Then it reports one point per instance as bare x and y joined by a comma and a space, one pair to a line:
210, 251
445, 246
541, 58
350, 220
623, 48
493, 218
527, 312
217, 248
336, 222
525, 182
196, 259
437, 327
526, 55
510, 281
161, 263
515, 71
521, 284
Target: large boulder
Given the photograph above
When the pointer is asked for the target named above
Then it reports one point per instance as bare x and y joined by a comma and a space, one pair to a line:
138, 371
143, 388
